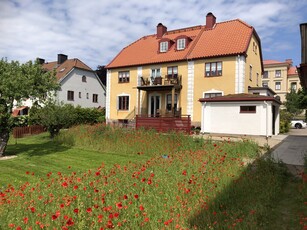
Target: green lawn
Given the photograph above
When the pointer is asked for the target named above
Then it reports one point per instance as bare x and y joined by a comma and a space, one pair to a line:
40, 155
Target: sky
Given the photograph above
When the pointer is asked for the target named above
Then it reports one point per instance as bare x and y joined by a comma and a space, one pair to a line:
95, 31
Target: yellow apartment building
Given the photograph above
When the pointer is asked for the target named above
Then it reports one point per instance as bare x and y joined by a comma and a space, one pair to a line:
281, 77
166, 73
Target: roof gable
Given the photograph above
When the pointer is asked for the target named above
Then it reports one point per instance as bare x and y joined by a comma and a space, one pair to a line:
63, 69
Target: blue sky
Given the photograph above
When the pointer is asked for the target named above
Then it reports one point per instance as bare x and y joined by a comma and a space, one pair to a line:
95, 31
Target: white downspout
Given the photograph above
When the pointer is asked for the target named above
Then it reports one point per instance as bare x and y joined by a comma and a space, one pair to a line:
267, 118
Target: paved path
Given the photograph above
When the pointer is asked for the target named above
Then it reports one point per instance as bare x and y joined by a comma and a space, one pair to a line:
293, 148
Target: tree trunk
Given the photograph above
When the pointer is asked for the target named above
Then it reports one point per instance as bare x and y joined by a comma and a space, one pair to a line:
4, 138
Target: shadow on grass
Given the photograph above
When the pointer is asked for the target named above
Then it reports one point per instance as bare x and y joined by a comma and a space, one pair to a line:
37, 146
247, 202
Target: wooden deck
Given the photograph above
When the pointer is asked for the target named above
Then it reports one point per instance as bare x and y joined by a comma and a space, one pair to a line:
165, 124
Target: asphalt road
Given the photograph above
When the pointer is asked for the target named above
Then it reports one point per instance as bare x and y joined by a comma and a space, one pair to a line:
293, 148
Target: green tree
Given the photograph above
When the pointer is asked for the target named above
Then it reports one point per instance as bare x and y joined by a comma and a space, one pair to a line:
292, 103
17, 82
54, 116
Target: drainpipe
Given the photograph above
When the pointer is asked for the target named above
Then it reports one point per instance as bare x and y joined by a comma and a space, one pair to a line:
267, 118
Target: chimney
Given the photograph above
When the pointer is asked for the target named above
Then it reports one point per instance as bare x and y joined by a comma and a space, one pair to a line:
210, 20
40, 61
61, 58
289, 61
161, 30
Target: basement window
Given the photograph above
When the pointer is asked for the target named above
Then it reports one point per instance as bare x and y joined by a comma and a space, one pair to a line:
248, 109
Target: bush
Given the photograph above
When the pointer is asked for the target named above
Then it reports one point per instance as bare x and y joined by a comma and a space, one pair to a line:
285, 118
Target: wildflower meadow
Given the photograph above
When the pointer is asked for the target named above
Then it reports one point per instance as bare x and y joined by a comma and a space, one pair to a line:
180, 182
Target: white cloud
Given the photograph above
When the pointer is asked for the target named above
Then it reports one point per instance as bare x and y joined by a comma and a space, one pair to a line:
95, 31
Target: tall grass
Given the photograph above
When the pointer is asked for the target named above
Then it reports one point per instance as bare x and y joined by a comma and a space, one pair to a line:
185, 183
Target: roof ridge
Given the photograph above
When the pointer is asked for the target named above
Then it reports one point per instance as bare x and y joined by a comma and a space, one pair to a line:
239, 20
185, 29
195, 42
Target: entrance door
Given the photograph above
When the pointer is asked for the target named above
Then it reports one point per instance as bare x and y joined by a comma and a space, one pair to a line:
154, 105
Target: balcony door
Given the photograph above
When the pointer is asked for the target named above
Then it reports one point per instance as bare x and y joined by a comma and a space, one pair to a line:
154, 73
154, 105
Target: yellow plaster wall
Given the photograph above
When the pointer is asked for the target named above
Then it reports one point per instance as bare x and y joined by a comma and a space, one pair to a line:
253, 59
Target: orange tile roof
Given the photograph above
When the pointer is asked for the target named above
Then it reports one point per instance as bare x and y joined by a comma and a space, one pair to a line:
292, 71
225, 38
63, 69
272, 62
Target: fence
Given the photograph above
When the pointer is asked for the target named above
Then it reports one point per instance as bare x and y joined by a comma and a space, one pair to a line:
19, 132
165, 124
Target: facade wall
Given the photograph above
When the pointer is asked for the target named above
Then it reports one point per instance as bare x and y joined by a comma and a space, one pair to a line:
73, 82
194, 83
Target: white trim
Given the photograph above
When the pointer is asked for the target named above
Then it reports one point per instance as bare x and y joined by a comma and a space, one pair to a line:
149, 100
122, 95
108, 94
139, 75
240, 74
190, 89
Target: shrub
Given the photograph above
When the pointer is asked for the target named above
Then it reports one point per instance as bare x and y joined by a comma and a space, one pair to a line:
285, 118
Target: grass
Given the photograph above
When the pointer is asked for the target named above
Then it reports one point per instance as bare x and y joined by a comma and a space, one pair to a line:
174, 182
39, 155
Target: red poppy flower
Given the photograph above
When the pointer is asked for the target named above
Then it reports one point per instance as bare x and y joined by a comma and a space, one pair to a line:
141, 208
136, 196
119, 205
125, 197
64, 184
25, 220
54, 217
32, 209
184, 172
76, 210
70, 222
89, 210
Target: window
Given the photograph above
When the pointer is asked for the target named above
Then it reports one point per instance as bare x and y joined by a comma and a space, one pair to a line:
265, 74
211, 95
277, 85
181, 44
250, 73
123, 76
154, 73
79, 94
70, 95
255, 47
83, 78
95, 98
293, 86
169, 102
172, 71
163, 46
86, 95
213, 69
123, 103
248, 109
265, 84
257, 79
277, 73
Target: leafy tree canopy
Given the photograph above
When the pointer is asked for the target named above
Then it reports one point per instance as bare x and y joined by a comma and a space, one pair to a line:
17, 82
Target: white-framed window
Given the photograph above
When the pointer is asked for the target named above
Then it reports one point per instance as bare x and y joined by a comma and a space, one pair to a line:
169, 102
277, 85
293, 86
79, 94
212, 93
181, 43
163, 46
265, 84
123, 76
155, 72
277, 73
213, 69
257, 79
123, 102
95, 98
70, 95
250, 72
87, 96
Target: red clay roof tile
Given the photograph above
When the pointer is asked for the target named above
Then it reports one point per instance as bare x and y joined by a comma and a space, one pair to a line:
63, 69
225, 38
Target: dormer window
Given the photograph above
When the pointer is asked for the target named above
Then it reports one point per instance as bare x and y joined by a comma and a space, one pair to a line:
163, 46
181, 43
83, 78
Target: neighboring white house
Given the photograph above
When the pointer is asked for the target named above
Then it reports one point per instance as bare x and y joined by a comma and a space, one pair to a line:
80, 85
242, 114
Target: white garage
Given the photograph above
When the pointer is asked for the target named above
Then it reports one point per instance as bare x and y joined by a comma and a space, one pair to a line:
243, 114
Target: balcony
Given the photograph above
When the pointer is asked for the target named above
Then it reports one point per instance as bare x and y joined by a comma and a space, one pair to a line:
168, 81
